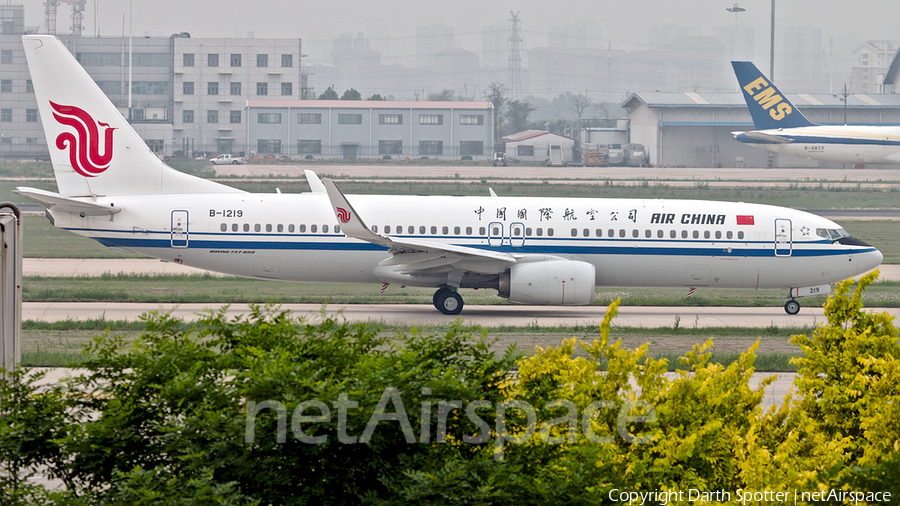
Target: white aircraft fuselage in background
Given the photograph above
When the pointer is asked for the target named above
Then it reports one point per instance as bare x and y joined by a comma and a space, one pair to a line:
532, 250
782, 128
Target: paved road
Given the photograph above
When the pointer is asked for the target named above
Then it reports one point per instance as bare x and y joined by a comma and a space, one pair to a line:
487, 316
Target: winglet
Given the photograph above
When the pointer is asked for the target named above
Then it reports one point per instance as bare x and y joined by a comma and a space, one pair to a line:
351, 224
769, 107
315, 184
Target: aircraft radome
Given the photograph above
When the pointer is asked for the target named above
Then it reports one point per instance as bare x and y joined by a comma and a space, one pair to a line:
532, 250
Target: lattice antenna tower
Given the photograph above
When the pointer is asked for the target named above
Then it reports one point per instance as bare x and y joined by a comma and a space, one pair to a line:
514, 69
78, 6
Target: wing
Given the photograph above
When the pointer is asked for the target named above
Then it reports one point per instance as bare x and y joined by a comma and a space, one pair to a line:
416, 257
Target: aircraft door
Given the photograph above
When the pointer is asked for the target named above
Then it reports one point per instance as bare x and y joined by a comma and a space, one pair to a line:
179, 229
516, 234
495, 234
783, 237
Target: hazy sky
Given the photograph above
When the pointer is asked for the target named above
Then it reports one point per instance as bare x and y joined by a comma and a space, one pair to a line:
392, 23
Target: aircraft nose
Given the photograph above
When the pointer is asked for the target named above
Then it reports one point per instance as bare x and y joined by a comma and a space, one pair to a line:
868, 261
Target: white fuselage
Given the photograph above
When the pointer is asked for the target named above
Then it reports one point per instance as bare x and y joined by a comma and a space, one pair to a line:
631, 242
843, 144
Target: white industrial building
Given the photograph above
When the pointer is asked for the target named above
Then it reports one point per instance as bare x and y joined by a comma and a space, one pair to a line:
535, 146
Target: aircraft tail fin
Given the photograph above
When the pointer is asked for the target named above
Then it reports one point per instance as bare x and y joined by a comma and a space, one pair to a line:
93, 148
769, 107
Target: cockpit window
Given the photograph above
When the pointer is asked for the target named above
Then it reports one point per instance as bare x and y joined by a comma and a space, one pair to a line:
831, 233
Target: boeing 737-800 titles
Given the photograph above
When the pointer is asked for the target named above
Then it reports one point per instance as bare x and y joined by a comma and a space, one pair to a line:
550, 251
782, 128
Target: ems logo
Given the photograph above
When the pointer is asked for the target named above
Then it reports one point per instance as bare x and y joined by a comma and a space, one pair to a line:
343, 214
84, 144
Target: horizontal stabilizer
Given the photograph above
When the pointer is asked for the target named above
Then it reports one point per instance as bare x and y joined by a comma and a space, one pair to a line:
57, 202
755, 136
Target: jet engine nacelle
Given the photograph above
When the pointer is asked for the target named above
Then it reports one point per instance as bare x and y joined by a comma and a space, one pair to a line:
549, 282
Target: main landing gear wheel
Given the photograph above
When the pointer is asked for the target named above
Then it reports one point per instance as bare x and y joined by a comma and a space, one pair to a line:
447, 301
792, 307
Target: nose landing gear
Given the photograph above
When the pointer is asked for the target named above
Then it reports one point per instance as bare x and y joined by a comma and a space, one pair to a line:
448, 301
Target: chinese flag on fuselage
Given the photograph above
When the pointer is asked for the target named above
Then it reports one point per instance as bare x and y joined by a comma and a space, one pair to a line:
745, 219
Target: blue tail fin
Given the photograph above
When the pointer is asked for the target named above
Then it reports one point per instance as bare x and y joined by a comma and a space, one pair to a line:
769, 107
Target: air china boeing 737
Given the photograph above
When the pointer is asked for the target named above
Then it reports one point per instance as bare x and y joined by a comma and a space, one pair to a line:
550, 251
782, 128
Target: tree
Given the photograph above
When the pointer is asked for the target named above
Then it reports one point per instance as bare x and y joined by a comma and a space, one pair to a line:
351, 94
496, 95
579, 103
517, 111
329, 94
441, 96
376, 96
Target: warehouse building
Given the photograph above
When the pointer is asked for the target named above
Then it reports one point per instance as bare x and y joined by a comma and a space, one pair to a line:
370, 129
695, 129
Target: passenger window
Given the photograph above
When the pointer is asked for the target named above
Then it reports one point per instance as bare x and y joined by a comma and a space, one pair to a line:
621, 232
684, 234
455, 230
635, 233
495, 231
422, 230
550, 232
516, 231
324, 229
586, 233
528, 232
481, 230
740, 235
612, 233
659, 233
268, 227
574, 232
302, 229
696, 234
729, 235
337, 229
374, 228
234, 227
599, 232
468, 230
410, 230
433, 230
718, 234
246, 227
224, 227
387, 229
445, 230
314, 228
706, 234
257, 227
280, 227
539, 231
672, 234
648, 233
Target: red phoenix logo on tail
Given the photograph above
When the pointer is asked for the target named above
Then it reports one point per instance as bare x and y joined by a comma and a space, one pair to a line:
84, 144
343, 214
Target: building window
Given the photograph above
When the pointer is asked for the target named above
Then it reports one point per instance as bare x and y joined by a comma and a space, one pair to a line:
212, 116
5, 85
31, 115
235, 60
155, 145
235, 88
471, 147
287, 88
287, 60
262, 88
9, 28
5, 115
6, 56
29, 86
262, 60
390, 147
269, 118
305, 118
431, 119
235, 117
350, 119
471, 119
212, 60
187, 59
309, 147
187, 116
268, 146
431, 147
137, 114
390, 119
212, 88
6, 141
187, 88
524, 150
